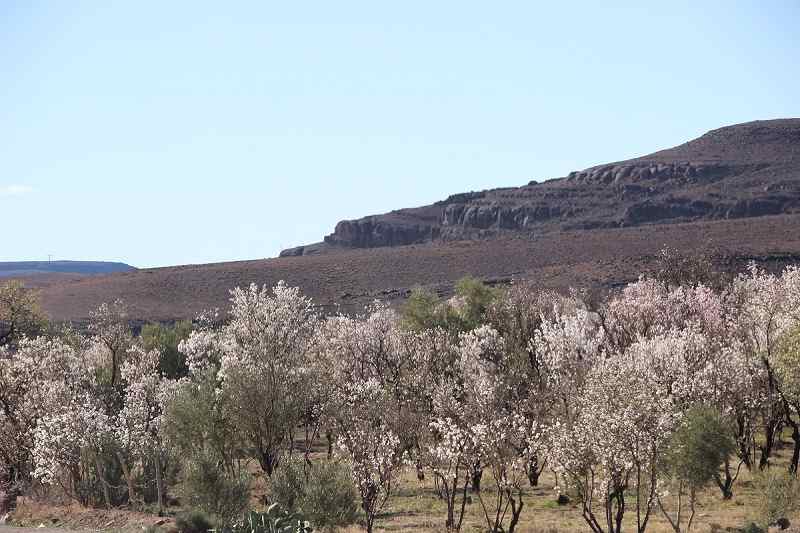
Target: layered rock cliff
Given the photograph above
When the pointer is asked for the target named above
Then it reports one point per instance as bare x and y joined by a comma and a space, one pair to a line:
746, 170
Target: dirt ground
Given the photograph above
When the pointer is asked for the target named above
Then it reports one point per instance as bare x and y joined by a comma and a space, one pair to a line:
10, 529
596, 258
41, 517
415, 507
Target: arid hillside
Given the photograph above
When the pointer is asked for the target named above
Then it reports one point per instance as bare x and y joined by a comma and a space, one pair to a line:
351, 279
741, 171
735, 189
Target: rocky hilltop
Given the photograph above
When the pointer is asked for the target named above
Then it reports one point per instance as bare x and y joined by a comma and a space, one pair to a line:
745, 170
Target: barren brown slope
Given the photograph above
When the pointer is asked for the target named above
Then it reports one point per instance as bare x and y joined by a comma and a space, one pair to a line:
604, 257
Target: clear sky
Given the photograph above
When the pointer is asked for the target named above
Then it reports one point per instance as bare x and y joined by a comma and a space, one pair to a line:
161, 133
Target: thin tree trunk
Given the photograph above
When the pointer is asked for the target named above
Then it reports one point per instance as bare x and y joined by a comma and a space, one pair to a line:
103, 484
769, 443
463, 505
329, 438
516, 511
726, 485
128, 480
476, 476
159, 484
692, 500
535, 471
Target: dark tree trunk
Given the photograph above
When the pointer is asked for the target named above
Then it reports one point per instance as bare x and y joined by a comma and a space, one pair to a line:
726, 484
769, 444
268, 462
104, 486
743, 441
159, 484
535, 470
329, 438
796, 450
476, 476
516, 511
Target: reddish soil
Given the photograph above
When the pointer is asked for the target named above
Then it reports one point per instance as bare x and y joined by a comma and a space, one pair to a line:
581, 258
32, 516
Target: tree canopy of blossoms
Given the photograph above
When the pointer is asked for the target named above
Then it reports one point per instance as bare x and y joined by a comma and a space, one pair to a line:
485, 385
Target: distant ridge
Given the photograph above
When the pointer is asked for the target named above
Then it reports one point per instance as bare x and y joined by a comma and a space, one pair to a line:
88, 268
733, 193
741, 171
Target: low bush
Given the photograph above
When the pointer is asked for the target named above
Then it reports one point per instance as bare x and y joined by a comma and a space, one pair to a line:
330, 499
287, 484
322, 491
779, 496
193, 522
752, 527
222, 495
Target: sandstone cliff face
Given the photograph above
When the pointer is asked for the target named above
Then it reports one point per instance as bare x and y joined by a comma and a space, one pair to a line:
372, 232
747, 170
617, 173
513, 217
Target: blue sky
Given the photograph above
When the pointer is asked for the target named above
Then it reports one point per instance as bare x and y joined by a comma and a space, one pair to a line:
161, 133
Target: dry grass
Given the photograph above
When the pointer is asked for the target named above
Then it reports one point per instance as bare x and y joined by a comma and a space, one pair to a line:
415, 507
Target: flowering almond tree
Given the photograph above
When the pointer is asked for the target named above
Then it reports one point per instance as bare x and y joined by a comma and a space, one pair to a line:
762, 309
518, 316
138, 425
96, 407
263, 366
19, 382
471, 422
649, 307
369, 443
611, 448
374, 396
74, 433
111, 333
504, 438
787, 370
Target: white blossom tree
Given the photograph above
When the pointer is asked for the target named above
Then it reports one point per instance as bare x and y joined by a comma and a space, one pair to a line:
263, 366
74, 433
762, 309
504, 436
19, 381
611, 447
368, 442
138, 426
371, 401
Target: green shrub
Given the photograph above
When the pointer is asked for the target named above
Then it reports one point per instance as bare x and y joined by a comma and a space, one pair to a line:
699, 446
424, 309
326, 497
222, 495
193, 522
778, 496
752, 528
287, 484
166, 339
330, 499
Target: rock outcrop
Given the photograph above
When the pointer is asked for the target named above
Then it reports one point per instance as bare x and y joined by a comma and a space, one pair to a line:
746, 170
372, 232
